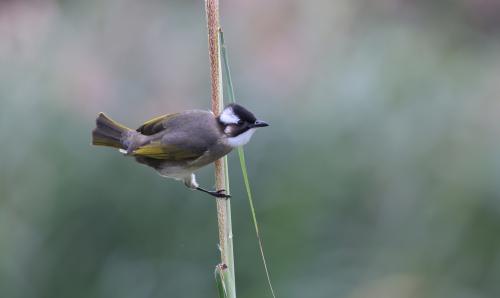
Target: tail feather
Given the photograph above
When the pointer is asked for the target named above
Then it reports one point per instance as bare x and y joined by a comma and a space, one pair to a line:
109, 133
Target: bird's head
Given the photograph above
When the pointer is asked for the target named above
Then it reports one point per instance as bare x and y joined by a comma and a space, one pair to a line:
239, 124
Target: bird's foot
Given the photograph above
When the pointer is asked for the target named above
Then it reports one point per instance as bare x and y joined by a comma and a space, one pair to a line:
221, 193
217, 193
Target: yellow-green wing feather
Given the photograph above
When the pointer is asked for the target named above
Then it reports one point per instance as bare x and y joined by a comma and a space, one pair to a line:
155, 125
157, 150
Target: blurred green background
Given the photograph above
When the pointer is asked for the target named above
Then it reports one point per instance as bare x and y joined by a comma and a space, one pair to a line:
378, 177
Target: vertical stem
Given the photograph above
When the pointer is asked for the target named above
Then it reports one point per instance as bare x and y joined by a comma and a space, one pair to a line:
223, 205
243, 163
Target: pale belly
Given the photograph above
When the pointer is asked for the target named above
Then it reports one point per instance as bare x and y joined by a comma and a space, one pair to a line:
180, 170
175, 172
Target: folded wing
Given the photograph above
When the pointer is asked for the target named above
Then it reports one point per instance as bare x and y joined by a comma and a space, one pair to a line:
157, 150
156, 125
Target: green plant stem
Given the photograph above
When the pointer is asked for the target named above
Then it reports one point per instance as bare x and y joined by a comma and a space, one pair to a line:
243, 164
220, 279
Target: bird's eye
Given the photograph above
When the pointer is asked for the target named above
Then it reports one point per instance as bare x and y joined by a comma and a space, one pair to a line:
240, 122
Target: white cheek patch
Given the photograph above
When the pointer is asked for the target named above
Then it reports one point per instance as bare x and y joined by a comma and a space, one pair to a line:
241, 139
228, 116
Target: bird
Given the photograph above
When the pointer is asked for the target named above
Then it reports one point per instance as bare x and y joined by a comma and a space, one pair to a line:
178, 144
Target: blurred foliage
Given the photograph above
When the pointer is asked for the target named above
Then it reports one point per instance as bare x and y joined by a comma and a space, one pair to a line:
377, 178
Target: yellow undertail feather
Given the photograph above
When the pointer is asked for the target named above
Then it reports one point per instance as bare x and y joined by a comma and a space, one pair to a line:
108, 132
98, 141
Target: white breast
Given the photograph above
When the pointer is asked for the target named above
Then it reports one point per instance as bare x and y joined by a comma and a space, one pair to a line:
241, 139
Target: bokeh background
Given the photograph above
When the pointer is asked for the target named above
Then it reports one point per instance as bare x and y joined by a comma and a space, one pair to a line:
379, 176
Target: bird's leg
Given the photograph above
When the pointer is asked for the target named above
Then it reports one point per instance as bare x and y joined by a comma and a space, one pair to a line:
191, 183
217, 193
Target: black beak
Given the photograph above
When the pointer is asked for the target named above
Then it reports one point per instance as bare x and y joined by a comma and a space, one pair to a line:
260, 123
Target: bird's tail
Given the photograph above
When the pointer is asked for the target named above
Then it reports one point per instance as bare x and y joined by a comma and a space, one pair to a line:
109, 133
